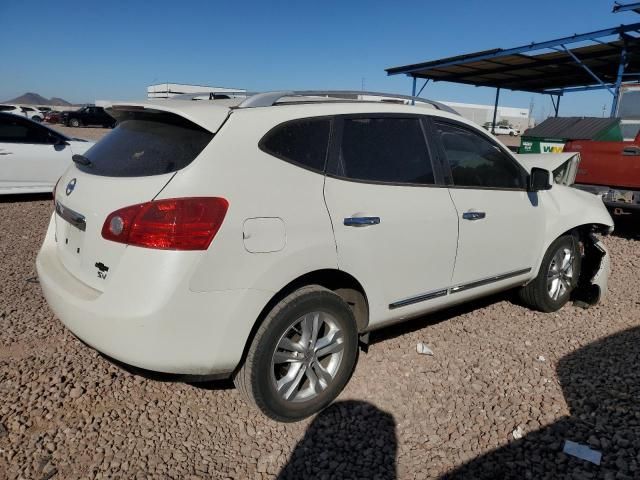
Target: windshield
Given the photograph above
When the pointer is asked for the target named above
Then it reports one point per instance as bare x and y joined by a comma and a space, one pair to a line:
146, 144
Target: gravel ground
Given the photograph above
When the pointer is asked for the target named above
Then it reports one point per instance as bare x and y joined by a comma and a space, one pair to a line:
497, 368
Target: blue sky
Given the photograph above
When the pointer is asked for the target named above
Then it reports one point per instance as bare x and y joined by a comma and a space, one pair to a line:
114, 49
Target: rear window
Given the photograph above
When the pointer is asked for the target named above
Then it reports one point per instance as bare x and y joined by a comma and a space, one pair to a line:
146, 144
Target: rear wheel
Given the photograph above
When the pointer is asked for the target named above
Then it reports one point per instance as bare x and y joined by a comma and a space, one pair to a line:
557, 277
301, 356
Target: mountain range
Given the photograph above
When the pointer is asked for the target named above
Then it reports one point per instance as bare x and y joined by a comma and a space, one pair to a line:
31, 98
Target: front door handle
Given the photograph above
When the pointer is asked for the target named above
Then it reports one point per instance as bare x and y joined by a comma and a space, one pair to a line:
474, 215
631, 151
361, 221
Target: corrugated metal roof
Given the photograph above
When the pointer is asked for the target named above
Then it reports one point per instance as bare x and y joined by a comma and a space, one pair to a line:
574, 128
545, 71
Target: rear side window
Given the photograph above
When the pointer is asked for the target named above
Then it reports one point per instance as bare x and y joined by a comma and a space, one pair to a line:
475, 161
303, 142
146, 144
390, 150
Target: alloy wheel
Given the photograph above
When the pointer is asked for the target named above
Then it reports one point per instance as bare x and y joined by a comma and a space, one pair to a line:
307, 357
560, 273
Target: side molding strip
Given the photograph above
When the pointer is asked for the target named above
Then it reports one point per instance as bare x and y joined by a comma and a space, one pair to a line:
458, 288
418, 298
485, 281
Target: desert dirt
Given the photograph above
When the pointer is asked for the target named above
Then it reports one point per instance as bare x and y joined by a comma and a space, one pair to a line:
503, 390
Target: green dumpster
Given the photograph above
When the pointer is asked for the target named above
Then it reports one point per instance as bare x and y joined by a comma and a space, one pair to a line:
541, 145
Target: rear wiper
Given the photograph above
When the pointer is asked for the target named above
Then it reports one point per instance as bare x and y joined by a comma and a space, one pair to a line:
81, 160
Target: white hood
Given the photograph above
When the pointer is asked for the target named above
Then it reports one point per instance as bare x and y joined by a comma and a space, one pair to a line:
563, 166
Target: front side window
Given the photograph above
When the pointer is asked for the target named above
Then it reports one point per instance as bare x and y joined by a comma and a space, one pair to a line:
303, 142
475, 161
387, 149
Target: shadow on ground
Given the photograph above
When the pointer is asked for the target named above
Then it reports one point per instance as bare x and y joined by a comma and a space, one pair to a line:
601, 385
25, 197
627, 226
418, 323
350, 439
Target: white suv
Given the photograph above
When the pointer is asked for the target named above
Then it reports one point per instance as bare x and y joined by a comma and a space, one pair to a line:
261, 238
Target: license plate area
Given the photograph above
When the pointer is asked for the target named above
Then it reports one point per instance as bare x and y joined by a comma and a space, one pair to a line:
70, 228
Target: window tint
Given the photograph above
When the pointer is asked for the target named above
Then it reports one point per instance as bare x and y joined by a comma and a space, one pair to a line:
5, 108
16, 130
475, 161
302, 141
146, 144
385, 150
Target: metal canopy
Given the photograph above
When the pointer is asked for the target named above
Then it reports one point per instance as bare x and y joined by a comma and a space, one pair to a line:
589, 61
549, 72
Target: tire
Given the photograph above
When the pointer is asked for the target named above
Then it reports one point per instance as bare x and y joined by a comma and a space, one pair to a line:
74, 122
511, 134
266, 383
548, 294
37, 119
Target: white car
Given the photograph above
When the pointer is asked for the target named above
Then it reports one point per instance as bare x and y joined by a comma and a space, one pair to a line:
504, 130
33, 156
15, 109
262, 238
32, 113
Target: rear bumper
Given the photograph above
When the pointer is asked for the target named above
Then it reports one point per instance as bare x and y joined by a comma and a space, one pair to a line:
153, 323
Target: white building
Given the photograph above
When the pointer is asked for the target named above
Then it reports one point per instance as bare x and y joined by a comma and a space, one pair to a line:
480, 114
168, 90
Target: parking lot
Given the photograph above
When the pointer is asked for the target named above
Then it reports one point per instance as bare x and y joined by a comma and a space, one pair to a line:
498, 371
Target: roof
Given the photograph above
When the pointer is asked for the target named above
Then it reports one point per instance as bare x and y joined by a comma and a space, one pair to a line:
211, 114
574, 128
554, 68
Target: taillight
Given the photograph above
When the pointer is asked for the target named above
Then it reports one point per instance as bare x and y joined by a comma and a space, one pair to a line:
171, 224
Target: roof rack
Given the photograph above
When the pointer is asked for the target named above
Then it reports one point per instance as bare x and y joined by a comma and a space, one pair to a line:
268, 99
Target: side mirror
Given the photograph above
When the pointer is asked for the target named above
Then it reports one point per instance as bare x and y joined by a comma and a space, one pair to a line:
539, 179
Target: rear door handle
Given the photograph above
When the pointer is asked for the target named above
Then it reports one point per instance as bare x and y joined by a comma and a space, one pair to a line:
474, 215
361, 221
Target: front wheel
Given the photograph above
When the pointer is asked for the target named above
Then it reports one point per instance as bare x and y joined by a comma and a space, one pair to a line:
74, 122
301, 356
557, 277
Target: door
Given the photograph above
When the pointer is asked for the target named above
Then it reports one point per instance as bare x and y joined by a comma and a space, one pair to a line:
32, 157
395, 227
501, 225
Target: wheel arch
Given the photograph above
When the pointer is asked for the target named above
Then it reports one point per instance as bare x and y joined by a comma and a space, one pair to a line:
338, 281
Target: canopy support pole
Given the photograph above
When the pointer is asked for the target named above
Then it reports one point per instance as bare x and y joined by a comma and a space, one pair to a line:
413, 90
495, 111
556, 103
616, 95
422, 88
588, 70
